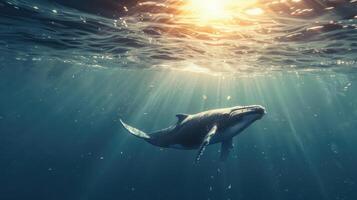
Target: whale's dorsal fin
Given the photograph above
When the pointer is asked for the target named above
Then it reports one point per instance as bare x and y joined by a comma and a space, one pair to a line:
205, 142
181, 117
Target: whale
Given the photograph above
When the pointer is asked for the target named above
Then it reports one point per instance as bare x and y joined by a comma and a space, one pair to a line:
197, 131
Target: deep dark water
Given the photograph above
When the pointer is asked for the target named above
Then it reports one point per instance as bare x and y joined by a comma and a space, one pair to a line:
60, 136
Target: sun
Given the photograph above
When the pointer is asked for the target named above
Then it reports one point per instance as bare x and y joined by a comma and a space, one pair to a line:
213, 10
208, 9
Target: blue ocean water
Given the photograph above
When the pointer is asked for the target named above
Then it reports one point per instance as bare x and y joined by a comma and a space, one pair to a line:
70, 70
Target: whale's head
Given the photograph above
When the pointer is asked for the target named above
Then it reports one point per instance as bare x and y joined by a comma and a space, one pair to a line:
236, 119
253, 112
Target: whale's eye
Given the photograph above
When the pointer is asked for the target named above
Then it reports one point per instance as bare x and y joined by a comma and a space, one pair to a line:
224, 116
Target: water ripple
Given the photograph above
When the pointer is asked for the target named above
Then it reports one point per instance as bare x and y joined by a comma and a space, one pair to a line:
145, 34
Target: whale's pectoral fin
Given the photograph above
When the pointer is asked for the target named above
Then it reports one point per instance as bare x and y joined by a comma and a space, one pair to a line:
136, 132
226, 147
206, 142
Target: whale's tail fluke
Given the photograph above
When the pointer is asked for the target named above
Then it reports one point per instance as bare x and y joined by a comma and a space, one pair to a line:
136, 132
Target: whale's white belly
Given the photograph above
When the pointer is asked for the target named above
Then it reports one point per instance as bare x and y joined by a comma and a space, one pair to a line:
227, 133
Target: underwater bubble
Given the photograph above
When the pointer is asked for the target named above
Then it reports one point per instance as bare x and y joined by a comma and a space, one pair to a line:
283, 158
334, 148
347, 86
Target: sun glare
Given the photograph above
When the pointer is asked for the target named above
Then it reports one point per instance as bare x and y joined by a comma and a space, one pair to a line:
208, 9
254, 11
212, 10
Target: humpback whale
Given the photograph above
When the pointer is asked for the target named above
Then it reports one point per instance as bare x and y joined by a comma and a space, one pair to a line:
196, 131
